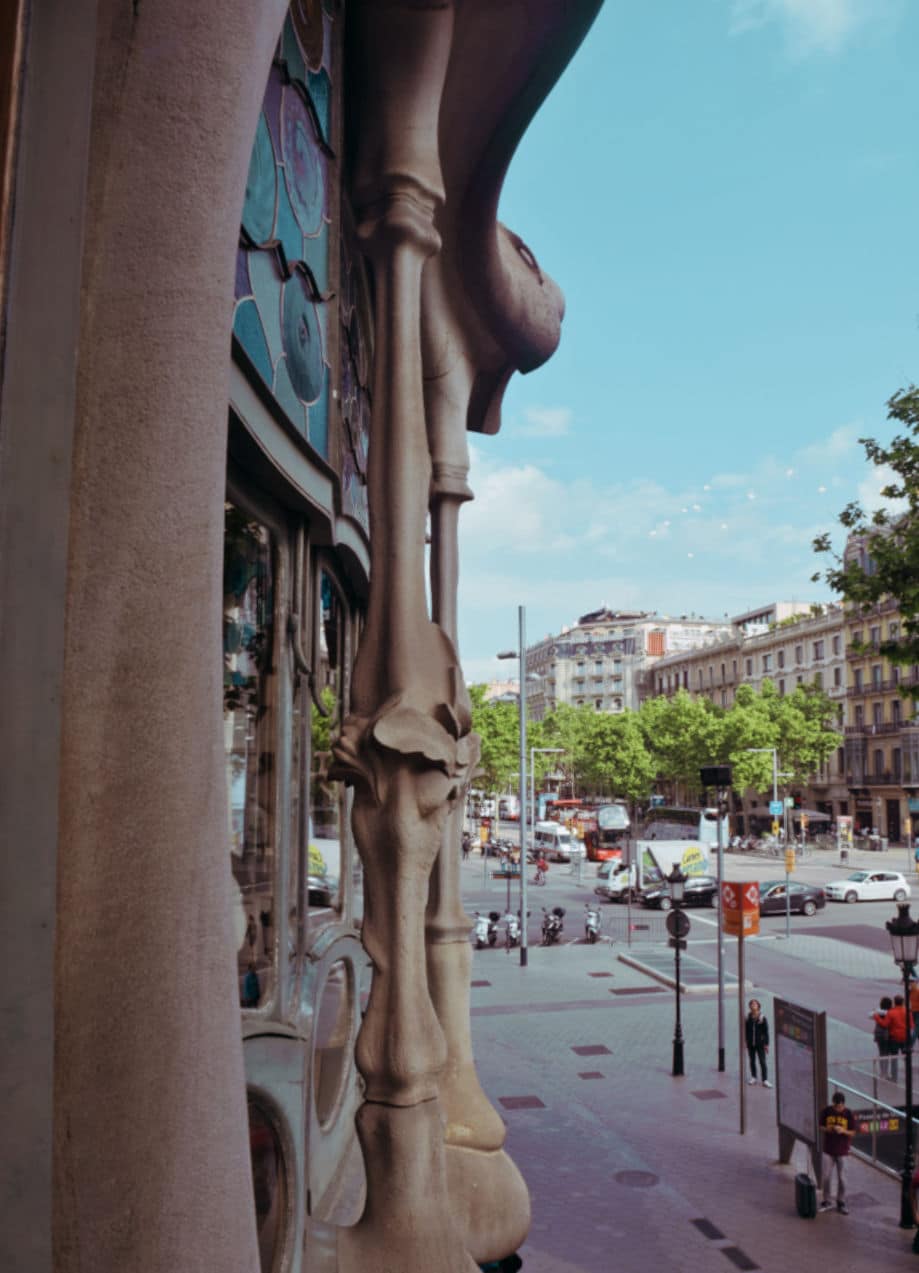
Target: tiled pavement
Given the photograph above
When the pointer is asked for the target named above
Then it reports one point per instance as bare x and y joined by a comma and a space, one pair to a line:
633, 1170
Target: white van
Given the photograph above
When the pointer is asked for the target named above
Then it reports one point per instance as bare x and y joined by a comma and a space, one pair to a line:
555, 842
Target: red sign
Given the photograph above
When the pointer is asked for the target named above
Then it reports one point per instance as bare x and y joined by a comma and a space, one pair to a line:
740, 908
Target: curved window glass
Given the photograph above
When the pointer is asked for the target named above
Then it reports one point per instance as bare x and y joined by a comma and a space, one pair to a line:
249, 745
269, 1180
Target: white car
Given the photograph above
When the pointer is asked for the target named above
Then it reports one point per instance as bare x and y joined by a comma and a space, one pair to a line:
868, 886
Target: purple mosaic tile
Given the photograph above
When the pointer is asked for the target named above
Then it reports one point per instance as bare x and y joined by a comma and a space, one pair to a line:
592, 1049
599, 974
481, 983
591, 1074
709, 1094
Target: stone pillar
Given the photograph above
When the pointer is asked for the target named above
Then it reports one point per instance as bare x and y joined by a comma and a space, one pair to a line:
487, 1193
406, 746
151, 1157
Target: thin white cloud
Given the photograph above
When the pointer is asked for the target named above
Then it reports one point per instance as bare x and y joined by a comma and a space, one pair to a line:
809, 26
869, 491
560, 547
545, 422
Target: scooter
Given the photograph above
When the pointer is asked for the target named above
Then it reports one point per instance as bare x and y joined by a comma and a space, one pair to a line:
480, 932
591, 923
493, 917
511, 930
552, 925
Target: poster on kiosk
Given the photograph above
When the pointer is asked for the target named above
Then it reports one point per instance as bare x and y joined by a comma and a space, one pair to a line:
740, 908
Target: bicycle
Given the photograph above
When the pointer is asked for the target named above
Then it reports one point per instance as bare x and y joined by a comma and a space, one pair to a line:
540, 877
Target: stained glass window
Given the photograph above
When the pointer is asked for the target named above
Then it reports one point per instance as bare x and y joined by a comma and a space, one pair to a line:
355, 346
281, 319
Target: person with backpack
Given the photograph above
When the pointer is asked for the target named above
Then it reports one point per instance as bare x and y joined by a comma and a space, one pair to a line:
899, 1024
882, 1036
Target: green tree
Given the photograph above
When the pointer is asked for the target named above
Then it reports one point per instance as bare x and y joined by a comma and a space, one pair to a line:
682, 734
498, 726
891, 538
801, 726
617, 761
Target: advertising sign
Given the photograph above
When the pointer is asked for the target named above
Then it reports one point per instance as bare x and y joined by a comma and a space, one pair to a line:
740, 908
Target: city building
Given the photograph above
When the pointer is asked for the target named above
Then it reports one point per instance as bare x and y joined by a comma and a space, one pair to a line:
795, 649
882, 726
598, 662
253, 294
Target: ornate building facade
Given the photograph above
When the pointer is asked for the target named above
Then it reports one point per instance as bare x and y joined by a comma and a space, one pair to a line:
254, 295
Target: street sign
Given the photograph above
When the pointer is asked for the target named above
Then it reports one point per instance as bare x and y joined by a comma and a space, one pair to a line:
789, 802
775, 826
677, 923
740, 908
775, 808
676, 943
789, 860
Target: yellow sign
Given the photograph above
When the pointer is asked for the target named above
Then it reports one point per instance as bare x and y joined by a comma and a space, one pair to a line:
483, 833
775, 826
789, 860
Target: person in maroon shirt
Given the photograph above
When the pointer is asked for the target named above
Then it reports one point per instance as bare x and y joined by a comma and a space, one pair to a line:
838, 1126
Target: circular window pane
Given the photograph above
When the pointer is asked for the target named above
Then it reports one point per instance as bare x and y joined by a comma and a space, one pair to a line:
332, 1030
269, 1178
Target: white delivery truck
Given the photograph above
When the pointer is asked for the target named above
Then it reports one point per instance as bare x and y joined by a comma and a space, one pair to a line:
667, 838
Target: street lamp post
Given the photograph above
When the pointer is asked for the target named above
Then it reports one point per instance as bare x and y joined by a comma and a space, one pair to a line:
904, 938
677, 881
521, 654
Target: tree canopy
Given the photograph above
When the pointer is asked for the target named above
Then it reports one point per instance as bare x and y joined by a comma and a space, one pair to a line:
891, 535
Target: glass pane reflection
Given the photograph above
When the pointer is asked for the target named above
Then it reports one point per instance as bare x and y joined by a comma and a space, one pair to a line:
328, 816
332, 1029
269, 1181
248, 687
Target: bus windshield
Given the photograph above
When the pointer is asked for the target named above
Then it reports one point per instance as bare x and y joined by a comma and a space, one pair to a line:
683, 824
613, 817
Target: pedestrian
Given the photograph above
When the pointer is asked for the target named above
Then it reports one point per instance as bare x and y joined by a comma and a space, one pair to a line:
914, 1006
467, 844
252, 991
838, 1126
251, 933
882, 1036
898, 1023
756, 1029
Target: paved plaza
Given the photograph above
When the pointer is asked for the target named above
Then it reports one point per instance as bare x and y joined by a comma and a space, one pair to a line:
631, 1169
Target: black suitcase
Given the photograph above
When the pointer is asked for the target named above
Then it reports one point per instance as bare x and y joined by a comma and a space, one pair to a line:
805, 1196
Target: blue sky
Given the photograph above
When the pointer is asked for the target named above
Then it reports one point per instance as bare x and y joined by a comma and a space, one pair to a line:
727, 192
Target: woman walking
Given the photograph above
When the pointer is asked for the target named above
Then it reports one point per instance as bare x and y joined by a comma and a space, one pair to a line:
757, 1036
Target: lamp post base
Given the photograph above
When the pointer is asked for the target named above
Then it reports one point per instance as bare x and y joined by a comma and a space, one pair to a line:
678, 1058
524, 951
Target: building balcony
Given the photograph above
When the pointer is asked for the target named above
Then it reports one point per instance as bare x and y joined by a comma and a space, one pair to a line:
887, 778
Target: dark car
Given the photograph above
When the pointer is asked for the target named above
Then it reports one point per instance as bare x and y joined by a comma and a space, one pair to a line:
699, 890
804, 899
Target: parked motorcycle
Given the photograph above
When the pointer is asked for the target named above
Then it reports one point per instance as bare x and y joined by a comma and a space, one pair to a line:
511, 930
480, 931
493, 917
591, 923
552, 925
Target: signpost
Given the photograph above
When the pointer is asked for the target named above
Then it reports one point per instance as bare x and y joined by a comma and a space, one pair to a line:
740, 918
800, 1077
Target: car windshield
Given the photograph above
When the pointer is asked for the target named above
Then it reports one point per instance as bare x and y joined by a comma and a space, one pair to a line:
857, 876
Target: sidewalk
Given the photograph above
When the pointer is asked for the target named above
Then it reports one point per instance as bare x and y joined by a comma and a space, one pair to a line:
632, 1169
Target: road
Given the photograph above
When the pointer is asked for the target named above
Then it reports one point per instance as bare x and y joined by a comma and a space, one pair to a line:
847, 972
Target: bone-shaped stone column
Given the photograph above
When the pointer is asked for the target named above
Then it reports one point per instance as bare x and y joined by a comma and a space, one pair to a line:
407, 746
